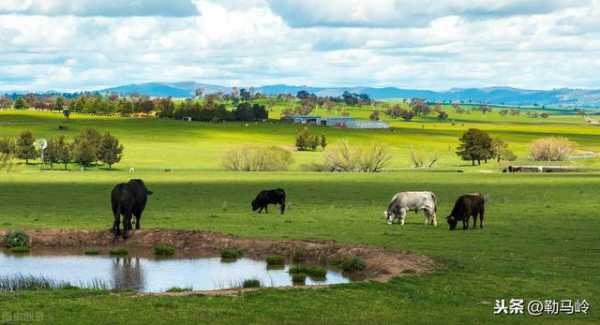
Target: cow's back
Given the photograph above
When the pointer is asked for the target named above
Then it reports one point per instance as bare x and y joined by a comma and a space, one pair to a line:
414, 200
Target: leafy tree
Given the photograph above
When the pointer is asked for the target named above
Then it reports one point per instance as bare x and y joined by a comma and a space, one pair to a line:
111, 151
63, 151
374, 116
86, 147
20, 103
7, 146
306, 141
59, 103
323, 141
476, 145
442, 115
25, 147
66, 113
501, 152
420, 107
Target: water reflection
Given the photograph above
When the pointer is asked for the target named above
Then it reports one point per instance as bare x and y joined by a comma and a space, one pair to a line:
151, 275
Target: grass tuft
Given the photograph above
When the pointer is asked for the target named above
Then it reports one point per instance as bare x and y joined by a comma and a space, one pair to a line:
231, 254
19, 249
178, 289
298, 278
118, 252
353, 264
251, 283
313, 272
275, 260
164, 250
91, 251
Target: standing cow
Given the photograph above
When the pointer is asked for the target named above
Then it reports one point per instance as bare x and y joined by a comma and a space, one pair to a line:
412, 201
128, 199
467, 206
266, 197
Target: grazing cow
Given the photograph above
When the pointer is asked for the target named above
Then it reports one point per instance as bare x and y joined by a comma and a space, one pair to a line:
412, 201
468, 205
266, 197
128, 199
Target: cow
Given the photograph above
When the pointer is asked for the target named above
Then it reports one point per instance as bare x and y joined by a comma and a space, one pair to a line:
128, 199
266, 197
412, 201
467, 206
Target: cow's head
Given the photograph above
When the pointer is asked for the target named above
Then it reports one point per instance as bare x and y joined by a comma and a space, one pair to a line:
254, 205
452, 222
389, 217
140, 184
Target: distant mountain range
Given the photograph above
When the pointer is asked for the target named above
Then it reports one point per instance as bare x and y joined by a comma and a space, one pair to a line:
564, 97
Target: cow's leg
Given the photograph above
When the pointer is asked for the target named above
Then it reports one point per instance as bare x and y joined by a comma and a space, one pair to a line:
126, 223
427, 216
465, 222
431, 217
266, 208
138, 217
474, 221
282, 204
116, 220
402, 216
260, 210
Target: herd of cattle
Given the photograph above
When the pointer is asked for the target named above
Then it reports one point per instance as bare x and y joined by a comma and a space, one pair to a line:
129, 200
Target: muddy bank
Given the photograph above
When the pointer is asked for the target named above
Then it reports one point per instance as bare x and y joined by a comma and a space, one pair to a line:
381, 264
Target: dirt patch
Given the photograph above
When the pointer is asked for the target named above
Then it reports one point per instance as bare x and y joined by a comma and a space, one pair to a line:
381, 264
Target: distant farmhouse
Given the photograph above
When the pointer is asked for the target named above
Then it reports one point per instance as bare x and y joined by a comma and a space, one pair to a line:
335, 121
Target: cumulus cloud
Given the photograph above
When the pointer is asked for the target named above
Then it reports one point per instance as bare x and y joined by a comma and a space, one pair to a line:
405, 13
414, 44
121, 8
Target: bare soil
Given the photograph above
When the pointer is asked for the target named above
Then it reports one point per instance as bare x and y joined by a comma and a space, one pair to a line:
381, 264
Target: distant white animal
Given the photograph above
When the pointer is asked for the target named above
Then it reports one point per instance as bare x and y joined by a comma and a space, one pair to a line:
412, 201
132, 170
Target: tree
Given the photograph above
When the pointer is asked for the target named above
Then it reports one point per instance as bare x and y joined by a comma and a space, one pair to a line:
20, 103
374, 116
407, 115
110, 151
59, 103
306, 141
323, 141
476, 145
63, 151
86, 147
442, 115
66, 113
25, 147
7, 146
501, 152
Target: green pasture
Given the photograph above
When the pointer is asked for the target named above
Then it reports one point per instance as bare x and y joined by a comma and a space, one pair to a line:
541, 238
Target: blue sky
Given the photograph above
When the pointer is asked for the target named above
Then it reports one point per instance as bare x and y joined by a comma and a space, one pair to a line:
89, 44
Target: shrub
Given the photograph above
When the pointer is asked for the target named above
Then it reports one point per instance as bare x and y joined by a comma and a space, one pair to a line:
344, 158
552, 149
353, 264
16, 238
91, 251
251, 283
298, 278
164, 250
256, 158
231, 253
178, 289
118, 252
312, 271
275, 260
306, 141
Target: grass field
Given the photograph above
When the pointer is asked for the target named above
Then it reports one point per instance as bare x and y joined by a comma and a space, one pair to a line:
540, 241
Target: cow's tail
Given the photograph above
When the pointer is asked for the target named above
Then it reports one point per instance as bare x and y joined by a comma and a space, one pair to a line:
486, 198
435, 202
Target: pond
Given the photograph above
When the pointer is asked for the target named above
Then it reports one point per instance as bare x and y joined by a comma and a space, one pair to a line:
148, 274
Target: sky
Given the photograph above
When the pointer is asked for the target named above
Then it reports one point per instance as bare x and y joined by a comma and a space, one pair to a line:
424, 44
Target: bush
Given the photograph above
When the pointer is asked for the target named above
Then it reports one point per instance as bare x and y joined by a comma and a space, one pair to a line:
344, 158
312, 271
231, 253
552, 149
306, 141
298, 278
16, 238
118, 252
353, 264
255, 158
299, 255
275, 260
251, 283
178, 289
164, 250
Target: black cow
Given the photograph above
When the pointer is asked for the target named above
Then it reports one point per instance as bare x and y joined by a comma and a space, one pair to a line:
266, 197
468, 205
128, 199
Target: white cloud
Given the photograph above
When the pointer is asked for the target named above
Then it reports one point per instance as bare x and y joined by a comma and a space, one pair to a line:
452, 44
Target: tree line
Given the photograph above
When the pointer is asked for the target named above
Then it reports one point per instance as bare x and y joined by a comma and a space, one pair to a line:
86, 149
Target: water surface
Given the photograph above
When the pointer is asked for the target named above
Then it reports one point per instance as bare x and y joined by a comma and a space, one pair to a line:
149, 274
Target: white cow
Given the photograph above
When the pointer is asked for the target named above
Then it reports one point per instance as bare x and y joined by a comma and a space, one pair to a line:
412, 201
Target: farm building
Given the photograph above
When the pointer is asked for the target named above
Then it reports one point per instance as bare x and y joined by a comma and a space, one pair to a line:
336, 121
352, 123
302, 119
